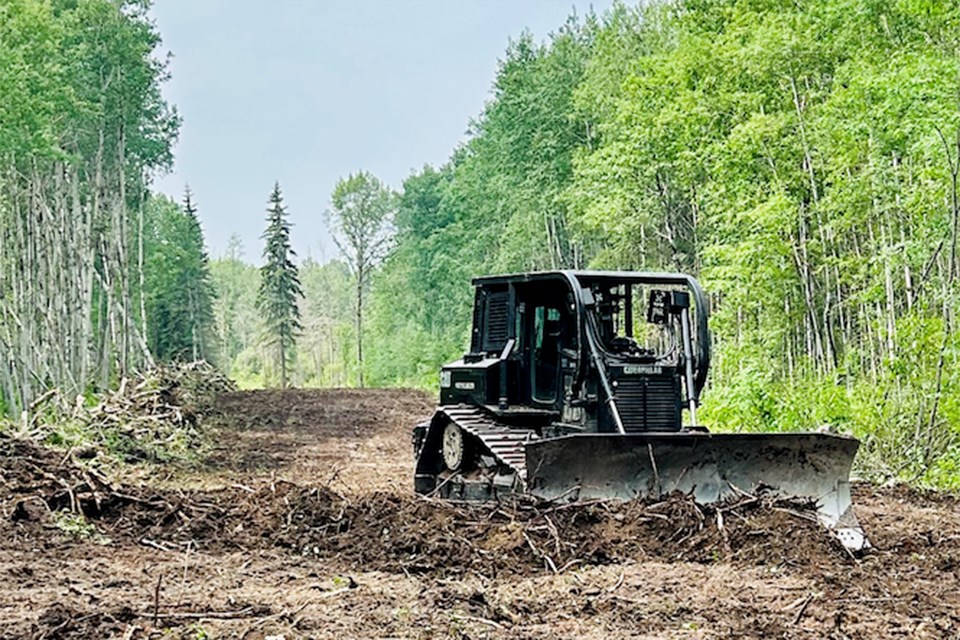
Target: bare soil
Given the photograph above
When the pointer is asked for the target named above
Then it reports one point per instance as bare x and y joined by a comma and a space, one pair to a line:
301, 523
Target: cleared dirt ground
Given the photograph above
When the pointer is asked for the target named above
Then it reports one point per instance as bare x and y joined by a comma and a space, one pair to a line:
301, 524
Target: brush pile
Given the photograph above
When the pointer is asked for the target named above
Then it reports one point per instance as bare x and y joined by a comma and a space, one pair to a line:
176, 395
154, 416
36, 480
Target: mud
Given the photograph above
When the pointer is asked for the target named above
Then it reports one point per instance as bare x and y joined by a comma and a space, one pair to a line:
301, 523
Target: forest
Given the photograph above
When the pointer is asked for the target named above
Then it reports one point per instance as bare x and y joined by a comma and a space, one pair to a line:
91, 262
800, 158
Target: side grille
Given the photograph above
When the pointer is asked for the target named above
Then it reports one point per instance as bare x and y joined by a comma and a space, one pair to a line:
649, 403
495, 328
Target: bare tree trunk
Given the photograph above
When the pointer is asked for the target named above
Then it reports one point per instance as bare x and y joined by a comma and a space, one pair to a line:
802, 261
953, 162
361, 275
141, 279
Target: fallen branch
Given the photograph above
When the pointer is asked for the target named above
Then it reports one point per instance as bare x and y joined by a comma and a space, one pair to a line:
490, 623
200, 615
803, 609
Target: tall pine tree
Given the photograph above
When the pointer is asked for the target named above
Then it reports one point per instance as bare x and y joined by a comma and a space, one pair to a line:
279, 284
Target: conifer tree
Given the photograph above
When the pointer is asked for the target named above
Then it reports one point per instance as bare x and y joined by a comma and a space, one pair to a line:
199, 293
279, 285
178, 287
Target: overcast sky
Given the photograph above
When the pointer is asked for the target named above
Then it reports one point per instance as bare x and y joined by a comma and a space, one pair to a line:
306, 92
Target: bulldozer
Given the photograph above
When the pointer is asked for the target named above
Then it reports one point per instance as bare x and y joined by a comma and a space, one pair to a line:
576, 387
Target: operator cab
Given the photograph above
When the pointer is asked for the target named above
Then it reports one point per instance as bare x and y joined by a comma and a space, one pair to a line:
525, 335
589, 351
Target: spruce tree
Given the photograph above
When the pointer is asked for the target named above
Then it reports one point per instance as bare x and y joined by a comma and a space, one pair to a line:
178, 288
279, 284
199, 293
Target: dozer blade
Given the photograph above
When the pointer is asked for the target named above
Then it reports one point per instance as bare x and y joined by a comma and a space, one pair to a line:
711, 467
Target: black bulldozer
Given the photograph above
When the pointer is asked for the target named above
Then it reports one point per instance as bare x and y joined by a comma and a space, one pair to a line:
575, 388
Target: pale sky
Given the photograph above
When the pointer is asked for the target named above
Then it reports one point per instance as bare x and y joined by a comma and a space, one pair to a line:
306, 92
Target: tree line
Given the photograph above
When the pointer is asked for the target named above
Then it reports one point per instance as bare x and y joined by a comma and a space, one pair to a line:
85, 248
99, 276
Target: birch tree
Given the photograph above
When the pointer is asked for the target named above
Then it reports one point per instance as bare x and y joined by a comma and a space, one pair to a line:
361, 224
82, 128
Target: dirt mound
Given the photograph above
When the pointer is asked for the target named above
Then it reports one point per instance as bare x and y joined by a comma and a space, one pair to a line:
35, 480
412, 535
408, 534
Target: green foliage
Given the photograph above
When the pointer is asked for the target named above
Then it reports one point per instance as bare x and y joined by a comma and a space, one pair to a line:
75, 524
361, 224
234, 308
31, 74
199, 632
326, 355
83, 128
179, 289
360, 219
68, 67
280, 288
419, 300
324, 352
